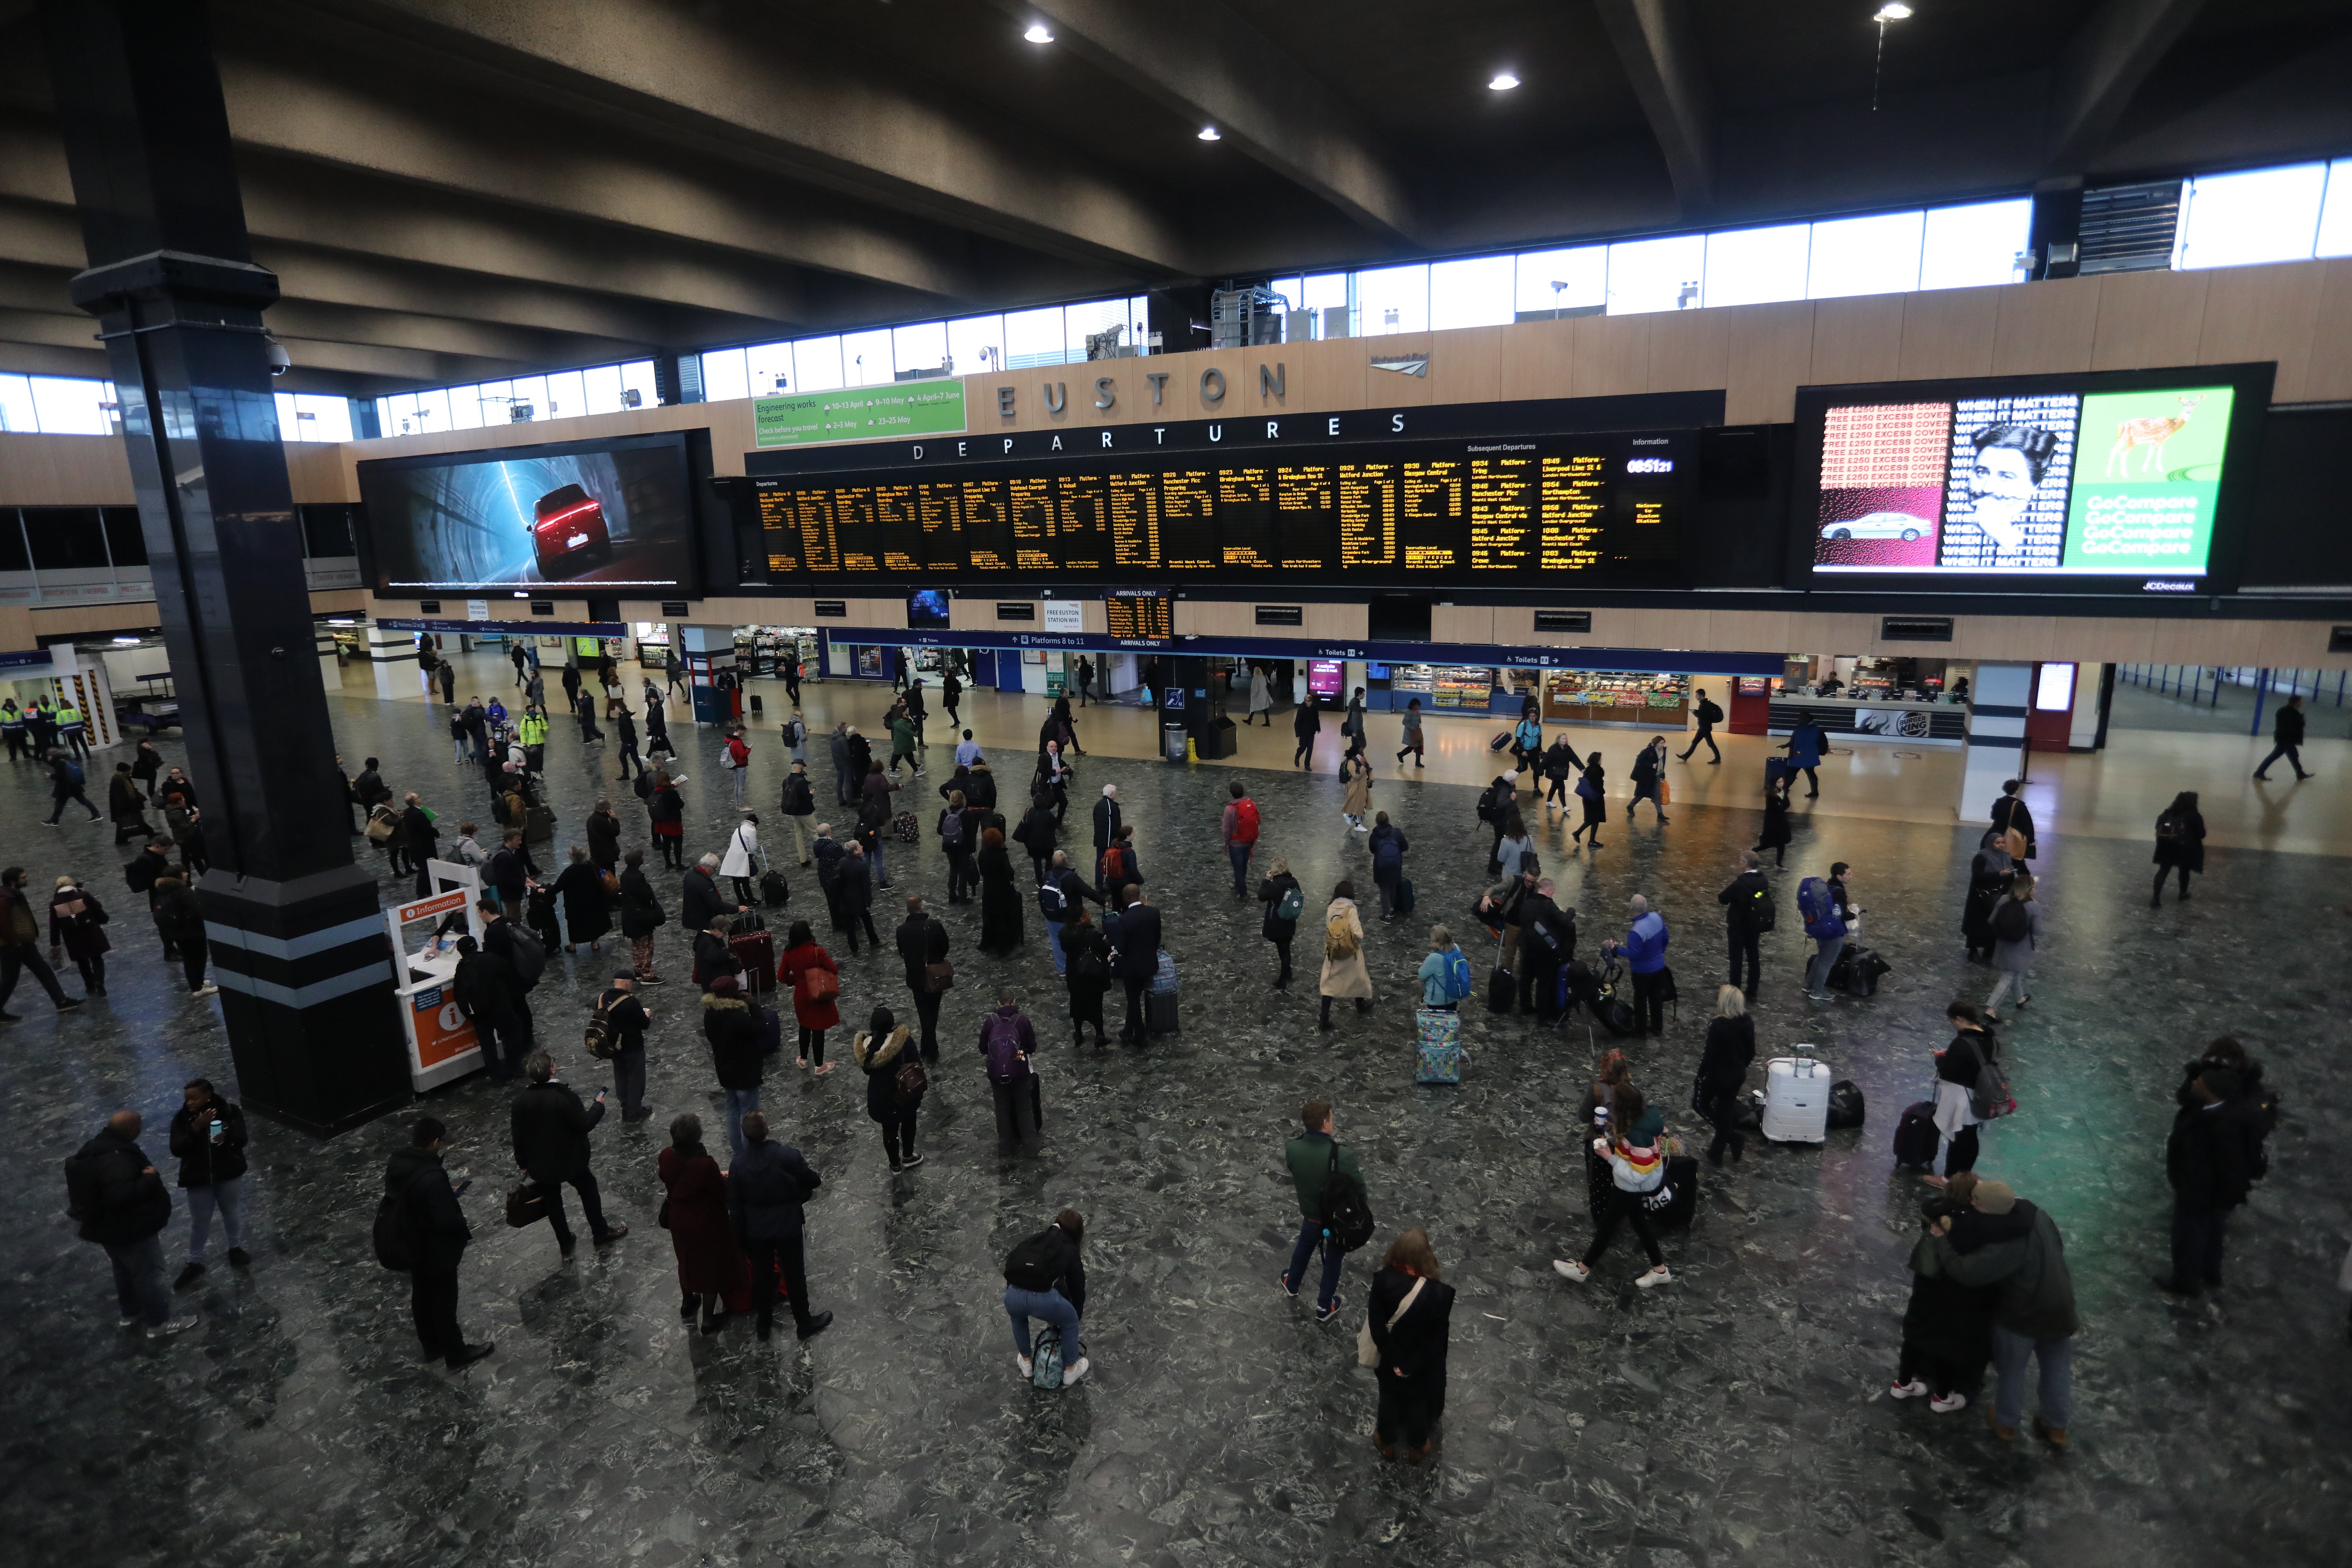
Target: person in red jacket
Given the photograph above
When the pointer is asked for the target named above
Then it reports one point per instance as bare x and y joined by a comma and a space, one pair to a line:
815, 1003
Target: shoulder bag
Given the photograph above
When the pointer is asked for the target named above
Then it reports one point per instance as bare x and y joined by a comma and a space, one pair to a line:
1367, 1353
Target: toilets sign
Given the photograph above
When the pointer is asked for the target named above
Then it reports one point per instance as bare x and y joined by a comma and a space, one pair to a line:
814, 419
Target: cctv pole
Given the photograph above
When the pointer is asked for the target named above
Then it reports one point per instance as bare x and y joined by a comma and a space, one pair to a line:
297, 946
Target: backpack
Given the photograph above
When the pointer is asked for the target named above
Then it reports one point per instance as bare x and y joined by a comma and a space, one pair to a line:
1291, 905
140, 875
1000, 1044
597, 1037
1339, 939
1244, 820
2009, 920
1037, 1263
82, 1196
907, 1084
1762, 913
1088, 964
1458, 982
1346, 1215
73, 770
1051, 902
392, 1248
951, 829
529, 958
1812, 903
644, 785
2171, 828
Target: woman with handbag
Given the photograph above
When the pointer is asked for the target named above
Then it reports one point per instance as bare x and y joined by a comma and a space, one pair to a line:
1637, 1172
712, 1273
885, 1049
1592, 790
1957, 1068
742, 859
815, 984
1087, 953
1407, 1325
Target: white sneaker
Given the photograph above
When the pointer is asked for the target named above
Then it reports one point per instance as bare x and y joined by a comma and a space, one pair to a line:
163, 1330
1023, 1363
128, 1320
1076, 1371
1575, 1273
1911, 1390
206, 991
1948, 1403
1658, 1275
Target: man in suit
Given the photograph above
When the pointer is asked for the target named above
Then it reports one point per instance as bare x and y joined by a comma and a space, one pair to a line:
923, 942
436, 1233
550, 1130
1107, 821
1137, 960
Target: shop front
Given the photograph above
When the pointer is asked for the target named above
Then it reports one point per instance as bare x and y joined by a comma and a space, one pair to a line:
1922, 701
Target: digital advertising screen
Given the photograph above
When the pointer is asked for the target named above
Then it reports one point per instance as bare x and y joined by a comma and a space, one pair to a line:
2126, 478
606, 515
928, 609
1501, 511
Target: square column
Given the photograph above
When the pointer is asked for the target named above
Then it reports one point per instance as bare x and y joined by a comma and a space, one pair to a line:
1995, 750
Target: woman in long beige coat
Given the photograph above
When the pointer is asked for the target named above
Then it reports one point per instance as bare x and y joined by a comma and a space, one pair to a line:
1359, 804
1345, 973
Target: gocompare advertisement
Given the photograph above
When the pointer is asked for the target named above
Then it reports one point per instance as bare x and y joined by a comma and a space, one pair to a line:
2046, 483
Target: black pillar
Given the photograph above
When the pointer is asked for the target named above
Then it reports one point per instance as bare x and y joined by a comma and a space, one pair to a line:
297, 939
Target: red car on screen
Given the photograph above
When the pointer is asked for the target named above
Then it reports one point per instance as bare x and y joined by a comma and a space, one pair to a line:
568, 530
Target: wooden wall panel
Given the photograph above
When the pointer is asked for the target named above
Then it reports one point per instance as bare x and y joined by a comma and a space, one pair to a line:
2149, 318
1465, 365
63, 470
1771, 355
1326, 623
2046, 327
1690, 351
1949, 332
2100, 641
1749, 631
2262, 313
1476, 623
1395, 389
2329, 377
1613, 356
1216, 617
1537, 360
1857, 338
1327, 376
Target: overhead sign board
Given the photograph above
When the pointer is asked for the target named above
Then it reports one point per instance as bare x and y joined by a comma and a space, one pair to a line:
859, 414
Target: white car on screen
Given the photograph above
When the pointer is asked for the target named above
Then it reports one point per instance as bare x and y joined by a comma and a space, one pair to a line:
1879, 525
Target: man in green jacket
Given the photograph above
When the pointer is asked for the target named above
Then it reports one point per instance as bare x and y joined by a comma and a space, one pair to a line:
2015, 1248
1310, 1159
902, 740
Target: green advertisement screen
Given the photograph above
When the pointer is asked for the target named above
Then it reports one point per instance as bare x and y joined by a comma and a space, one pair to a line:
859, 414
2147, 472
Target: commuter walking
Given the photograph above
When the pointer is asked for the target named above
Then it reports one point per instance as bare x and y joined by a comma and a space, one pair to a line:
1991, 870
1644, 948
895, 1083
1305, 725
181, 920
112, 1190
2286, 738
208, 1139
1746, 905
1650, 779
1957, 1068
1410, 735
1410, 1313
1137, 962
65, 785
1723, 1073
837, 745
765, 1189
713, 1277
624, 725
1061, 898
641, 916
2009, 812
1637, 1170
1707, 716
737, 758
1238, 826
1261, 699
1107, 821
2180, 844
1089, 954
1558, 764
1527, 740
2023, 1258
550, 1128
1035, 834
666, 813
126, 806
923, 944
1387, 844
1000, 906
1285, 902
419, 838
1008, 1043
2212, 1161
1045, 1279
602, 831
77, 930
1345, 973
1775, 834
626, 1021
731, 1027
1357, 769
432, 1235
1805, 746
1592, 792
1515, 847
1316, 1157
809, 972
2016, 927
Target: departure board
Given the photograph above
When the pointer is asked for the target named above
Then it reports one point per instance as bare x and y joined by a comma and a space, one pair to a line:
1139, 617
1458, 511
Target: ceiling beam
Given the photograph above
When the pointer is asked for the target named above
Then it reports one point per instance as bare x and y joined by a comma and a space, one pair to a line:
1210, 68
744, 83
2100, 70
1661, 59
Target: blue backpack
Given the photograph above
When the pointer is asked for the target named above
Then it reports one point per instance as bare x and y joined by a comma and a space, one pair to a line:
1458, 976
1814, 902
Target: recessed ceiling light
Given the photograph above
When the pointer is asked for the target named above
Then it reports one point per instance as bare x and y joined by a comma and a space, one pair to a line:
1893, 11
1504, 81
1210, 133
1039, 33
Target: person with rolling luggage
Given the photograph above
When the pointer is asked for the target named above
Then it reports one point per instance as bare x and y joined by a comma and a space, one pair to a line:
1331, 1194
1345, 973
1498, 909
1722, 1078
1636, 1171
1823, 923
1958, 1066
1445, 976
1644, 951
1285, 902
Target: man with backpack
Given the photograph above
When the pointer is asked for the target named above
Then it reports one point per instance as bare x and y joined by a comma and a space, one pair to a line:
1007, 1041
525, 956
65, 785
421, 1229
1330, 1186
1240, 829
616, 1033
1644, 949
1547, 945
799, 805
1059, 893
113, 1190
1748, 914
1825, 923
1708, 716
2212, 1161
1045, 1279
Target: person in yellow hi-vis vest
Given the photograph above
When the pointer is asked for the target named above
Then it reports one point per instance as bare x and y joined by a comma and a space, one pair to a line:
532, 733
71, 730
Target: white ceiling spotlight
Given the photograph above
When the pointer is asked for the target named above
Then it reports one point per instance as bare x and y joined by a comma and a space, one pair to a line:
1503, 82
1210, 133
1039, 33
1892, 11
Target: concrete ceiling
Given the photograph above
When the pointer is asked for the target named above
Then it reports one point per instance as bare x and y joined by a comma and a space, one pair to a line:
454, 190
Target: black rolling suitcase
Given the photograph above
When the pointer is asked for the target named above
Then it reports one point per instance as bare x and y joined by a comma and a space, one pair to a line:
1916, 1138
1856, 971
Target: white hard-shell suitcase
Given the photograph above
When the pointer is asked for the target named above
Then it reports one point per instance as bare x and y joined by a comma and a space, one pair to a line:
1796, 1101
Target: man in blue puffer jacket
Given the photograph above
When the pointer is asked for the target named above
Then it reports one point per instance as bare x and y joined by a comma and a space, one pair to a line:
1644, 949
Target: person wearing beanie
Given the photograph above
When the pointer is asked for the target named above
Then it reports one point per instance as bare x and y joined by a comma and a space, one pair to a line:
2013, 1247
2211, 1160
895, 1084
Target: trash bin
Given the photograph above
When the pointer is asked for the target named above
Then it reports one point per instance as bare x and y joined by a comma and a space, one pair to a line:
1172, 742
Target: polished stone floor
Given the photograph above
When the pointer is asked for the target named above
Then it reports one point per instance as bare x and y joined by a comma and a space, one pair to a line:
1739, 1417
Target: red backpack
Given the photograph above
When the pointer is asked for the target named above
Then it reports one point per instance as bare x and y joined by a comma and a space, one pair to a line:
1245, 822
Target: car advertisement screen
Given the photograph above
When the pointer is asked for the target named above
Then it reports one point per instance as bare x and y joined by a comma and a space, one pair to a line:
610, 516
2046, 483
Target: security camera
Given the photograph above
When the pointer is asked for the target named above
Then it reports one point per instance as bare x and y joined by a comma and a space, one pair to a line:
280, 361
